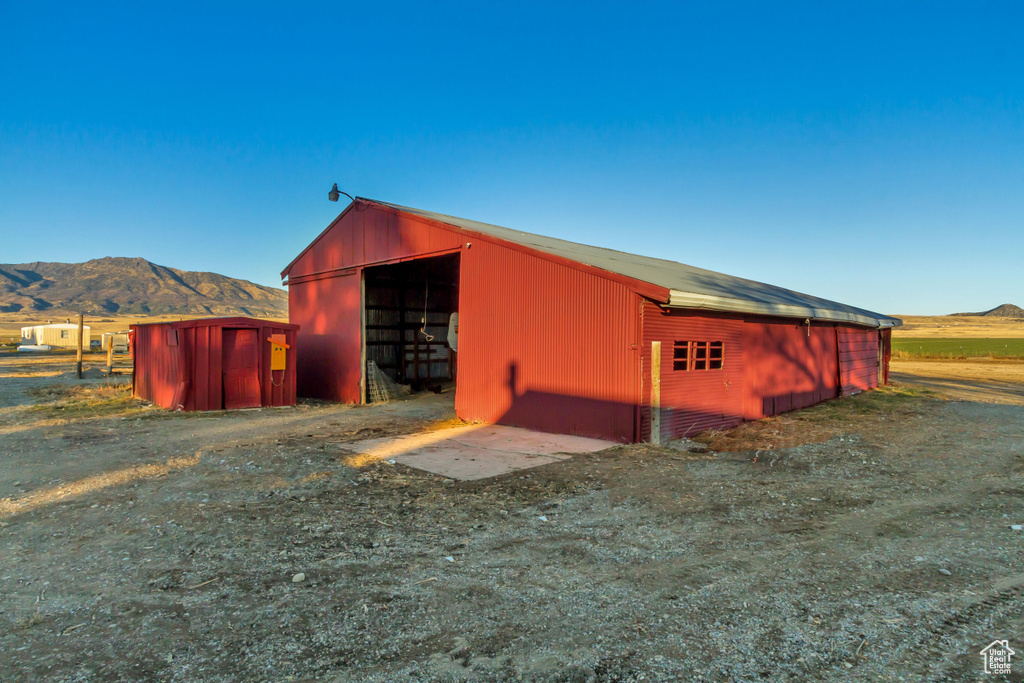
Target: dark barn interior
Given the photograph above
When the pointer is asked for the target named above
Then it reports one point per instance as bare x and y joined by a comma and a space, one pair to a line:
409, 309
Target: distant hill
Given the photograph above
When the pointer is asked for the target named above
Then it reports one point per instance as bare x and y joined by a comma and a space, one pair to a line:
132, 286
1004, 311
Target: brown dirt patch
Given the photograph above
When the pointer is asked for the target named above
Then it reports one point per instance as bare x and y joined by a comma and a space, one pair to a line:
989, 380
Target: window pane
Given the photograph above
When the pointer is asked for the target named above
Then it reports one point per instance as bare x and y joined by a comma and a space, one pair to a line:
680, 355
716, 355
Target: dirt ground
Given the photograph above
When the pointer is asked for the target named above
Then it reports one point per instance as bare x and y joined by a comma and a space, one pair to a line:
989, 380
865, 539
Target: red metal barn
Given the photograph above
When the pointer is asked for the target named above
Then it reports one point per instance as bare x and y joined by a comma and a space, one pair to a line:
558, 336
215, 363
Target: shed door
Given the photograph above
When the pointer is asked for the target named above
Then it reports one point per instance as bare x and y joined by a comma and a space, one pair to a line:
241, 369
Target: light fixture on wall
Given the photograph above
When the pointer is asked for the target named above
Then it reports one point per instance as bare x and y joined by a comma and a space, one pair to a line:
335, 193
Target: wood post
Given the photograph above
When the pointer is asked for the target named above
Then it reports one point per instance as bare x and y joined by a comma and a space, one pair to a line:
656, 393
81, 330
110, 356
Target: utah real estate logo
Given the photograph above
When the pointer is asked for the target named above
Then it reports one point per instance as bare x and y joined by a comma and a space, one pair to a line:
997, 657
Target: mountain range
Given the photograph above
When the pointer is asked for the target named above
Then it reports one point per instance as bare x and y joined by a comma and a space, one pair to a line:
132, 286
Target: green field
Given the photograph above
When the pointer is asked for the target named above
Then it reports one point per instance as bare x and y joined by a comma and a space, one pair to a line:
958, 348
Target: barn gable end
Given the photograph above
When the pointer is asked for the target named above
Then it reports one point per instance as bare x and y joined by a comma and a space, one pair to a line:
542, 344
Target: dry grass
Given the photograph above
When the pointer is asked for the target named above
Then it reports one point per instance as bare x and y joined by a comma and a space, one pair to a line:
818, 423
447, 423
943, 326
71, 402
988, 380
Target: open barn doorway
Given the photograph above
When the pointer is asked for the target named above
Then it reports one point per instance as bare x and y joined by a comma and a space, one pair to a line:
411, 324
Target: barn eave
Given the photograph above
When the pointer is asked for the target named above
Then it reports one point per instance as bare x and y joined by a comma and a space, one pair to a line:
709, 302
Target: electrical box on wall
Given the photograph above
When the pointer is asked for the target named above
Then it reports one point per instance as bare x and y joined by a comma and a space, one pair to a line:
278, 351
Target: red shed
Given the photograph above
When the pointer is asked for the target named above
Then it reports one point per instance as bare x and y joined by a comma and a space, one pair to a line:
215, 363
557, 336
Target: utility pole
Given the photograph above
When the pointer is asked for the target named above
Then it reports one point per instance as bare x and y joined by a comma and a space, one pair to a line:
81, 330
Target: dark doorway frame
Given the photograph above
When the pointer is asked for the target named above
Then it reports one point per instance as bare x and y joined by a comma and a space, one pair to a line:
393, 299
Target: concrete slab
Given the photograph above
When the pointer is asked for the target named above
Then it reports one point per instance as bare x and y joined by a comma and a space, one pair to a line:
476, 451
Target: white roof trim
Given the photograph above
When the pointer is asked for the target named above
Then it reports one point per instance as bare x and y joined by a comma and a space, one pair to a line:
709, 302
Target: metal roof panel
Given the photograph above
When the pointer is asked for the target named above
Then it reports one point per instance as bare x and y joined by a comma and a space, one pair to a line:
690, 287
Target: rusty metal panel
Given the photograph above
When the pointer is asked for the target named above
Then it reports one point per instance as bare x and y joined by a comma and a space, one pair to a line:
545, 346
693, 401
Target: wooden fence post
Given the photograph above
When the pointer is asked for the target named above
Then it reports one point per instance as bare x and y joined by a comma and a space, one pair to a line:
656, 393
110, 356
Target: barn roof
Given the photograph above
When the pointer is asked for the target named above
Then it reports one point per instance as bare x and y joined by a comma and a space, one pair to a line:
689, 286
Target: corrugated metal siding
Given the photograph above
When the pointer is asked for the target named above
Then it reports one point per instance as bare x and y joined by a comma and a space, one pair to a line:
858, 359
770, 366
696, 400
278, 388
369, 235
190, 374
157, 371
541, 344
330, 343
545, 346
204, 355
785, 367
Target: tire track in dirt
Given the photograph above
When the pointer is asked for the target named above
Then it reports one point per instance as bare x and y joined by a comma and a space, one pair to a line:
940, 647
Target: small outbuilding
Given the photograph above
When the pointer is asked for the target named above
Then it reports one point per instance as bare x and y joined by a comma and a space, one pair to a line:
119, 340
562, 337
55, 335
214, 363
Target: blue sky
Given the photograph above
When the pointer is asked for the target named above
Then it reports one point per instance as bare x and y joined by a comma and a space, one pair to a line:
869, 153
